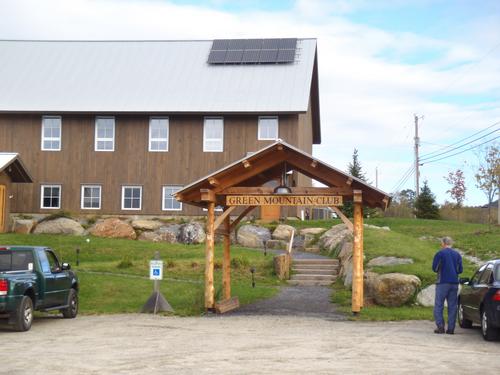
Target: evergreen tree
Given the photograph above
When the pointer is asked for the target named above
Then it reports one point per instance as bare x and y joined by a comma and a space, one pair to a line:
425, 205
355, 169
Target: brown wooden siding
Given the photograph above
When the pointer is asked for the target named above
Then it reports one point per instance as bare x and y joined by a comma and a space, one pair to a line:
131, 163
5, 181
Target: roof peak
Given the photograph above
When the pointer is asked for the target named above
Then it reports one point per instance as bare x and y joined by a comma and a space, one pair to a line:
131, 40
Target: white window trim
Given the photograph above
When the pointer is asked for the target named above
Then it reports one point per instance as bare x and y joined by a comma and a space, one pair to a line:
123, 198
41, 196
104, 139
259, 137
51, 138
204, 137
81, 197
163, 198
159, 139
216, 209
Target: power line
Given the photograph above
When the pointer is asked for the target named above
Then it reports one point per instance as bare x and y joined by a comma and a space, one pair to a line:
456, 148
463, 139
409, 172
461, 152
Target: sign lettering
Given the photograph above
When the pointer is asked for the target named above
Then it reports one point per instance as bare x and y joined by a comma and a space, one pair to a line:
284, 200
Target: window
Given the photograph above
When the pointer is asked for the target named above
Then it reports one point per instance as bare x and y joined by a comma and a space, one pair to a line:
477, 275
51, 196
91, 197
268, 128
105, 134
158, 134
53, 262
486, 277
51, 133
131, 197
169, 201
213, 134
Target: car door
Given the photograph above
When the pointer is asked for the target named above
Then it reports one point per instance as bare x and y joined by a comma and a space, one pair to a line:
61, 280
467, 296
47, 279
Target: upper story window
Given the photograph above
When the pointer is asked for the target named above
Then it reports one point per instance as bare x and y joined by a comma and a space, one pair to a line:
50, 196
51, 133
158, 134
169, 201
268, 128
91, 197
131, 197
213, 134
105, 134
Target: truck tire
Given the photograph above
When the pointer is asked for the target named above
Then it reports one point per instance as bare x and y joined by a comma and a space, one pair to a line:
71, 311
24, 315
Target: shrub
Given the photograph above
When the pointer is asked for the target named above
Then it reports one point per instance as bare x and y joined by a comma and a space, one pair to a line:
237, 263
171, 264
125, 263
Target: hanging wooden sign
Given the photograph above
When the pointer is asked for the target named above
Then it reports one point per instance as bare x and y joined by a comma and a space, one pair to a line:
284, 200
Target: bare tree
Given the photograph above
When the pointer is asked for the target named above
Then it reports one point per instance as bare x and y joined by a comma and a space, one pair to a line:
457, 191
488, 173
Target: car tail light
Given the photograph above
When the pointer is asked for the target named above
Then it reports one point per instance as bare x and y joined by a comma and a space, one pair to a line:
4, 287
496, 296
3, 248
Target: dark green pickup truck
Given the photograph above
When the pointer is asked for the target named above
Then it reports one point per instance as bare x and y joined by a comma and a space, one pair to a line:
31, 278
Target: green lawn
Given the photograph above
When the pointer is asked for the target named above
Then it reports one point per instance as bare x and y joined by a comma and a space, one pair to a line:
114, 274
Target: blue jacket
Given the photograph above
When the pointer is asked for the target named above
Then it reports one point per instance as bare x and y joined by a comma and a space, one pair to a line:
448, 265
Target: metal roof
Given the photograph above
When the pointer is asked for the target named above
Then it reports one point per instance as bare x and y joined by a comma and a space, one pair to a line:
147, 76
14, 167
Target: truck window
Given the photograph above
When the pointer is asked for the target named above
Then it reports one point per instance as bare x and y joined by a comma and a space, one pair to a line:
54, 263
16, 261
5, 261
44, 262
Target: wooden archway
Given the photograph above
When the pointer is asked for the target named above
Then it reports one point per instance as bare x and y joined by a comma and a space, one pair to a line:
238, 188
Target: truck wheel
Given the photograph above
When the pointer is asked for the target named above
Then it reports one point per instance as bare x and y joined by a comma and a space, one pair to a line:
489, 332
24, 315
462, 321
71, 311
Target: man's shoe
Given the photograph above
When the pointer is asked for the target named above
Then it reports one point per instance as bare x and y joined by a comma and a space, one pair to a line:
439, 330
450, 332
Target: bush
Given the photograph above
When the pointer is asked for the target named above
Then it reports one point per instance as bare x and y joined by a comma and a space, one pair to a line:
125, 263
237, 263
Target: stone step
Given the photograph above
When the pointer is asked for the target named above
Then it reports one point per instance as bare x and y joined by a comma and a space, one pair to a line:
315, 261
310, 282
316, 266
315, 271
314, 277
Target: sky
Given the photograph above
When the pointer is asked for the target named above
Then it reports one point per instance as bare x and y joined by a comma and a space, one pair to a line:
381, 62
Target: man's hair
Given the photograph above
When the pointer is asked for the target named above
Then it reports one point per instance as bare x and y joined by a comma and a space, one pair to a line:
447, 241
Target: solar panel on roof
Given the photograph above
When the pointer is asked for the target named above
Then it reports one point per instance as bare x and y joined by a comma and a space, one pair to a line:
253, 44
285, 55
289, 43
236, 44
233, 57
250, 56
268, 55
270, 44
217, 57
220, 44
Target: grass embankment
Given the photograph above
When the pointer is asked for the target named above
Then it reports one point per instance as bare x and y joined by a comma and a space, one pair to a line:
114, 274
406, 240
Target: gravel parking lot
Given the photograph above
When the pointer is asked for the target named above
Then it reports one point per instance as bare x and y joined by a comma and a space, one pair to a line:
142, 344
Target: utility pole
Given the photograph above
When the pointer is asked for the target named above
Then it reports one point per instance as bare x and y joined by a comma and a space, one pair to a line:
417, 143
376, 177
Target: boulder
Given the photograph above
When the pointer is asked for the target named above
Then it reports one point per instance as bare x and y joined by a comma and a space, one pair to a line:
61, 225
169, 233
253, 236
113, 228
345, 260
277, 244
393, 289
376, 227
23, 226
312, 231
427, 296
388, 261
149, 236
298, 243
333, 238
191, 233
143, 225
283, 232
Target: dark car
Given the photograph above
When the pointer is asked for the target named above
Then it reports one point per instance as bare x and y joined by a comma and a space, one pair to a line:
479, 300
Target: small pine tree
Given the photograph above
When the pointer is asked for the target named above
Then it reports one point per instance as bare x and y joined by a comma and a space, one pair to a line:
355, 169
425, 205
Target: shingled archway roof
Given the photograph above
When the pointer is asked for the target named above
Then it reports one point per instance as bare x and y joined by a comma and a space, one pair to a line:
268, 164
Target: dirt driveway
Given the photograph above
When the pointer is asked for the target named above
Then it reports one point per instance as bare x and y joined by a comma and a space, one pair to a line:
145, 344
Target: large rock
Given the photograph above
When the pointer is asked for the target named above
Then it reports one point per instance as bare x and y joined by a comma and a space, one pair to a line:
427, 296
312, 231
376, 227
388, 261
61, 225
191, 233
283, 232
23, 226
169, 233
393, 289
333, 239
253, 236
146, 224
277, 244
113, 228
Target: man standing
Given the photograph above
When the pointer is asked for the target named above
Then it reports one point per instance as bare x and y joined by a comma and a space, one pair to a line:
448, 265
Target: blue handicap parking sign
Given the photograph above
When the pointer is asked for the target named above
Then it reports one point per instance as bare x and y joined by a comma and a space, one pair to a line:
156, 272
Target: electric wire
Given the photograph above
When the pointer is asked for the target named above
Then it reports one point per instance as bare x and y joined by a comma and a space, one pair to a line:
409, 172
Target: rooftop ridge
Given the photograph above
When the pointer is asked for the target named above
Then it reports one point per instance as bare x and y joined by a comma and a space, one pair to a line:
134, 40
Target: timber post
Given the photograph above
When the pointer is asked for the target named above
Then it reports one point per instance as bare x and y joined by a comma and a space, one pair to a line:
209, 259
226, 261
357, 257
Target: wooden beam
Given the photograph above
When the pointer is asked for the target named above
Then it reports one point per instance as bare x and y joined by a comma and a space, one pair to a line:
344, 218
207, 195
279, 147
213, 181
209, 259
239, 218
222, 217
386, 201
226, 305
349, 181
246, 164
226, 260
314, 163
357, 260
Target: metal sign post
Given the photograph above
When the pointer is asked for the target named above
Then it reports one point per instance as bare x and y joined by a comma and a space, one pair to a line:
157, 301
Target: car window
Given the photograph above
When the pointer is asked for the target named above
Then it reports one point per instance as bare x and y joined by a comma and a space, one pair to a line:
475, 278
497, 273
16, 261
44, 262
486, 275
54, 263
